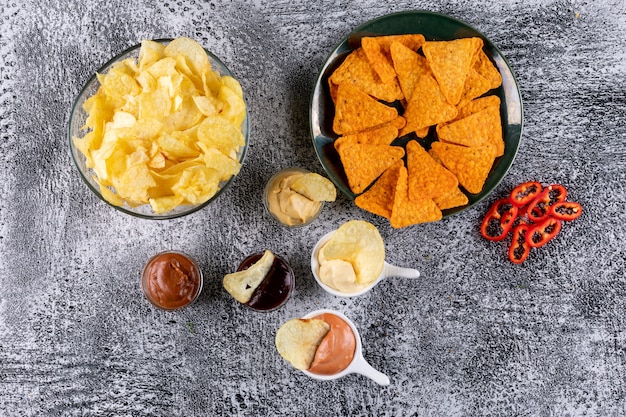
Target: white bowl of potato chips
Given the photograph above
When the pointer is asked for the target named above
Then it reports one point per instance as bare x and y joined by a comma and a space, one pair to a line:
160, 130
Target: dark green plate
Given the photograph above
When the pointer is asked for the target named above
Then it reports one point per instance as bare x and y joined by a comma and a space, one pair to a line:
434, 27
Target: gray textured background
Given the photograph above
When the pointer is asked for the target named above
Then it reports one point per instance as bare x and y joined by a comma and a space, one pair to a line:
475, 336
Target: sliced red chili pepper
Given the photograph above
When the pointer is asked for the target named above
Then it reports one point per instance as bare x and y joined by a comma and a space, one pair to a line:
499, 220
566, 210
539, 208
540, 234
525, 193
519, 249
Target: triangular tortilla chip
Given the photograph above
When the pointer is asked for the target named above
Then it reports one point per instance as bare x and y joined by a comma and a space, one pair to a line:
467, 108
409, 67
454, 198
478, 129
382, 135
356, 111
364, 163
406, 212
377, 50
427, 177
471, 165
427, 107
379, 198
356, 70
450, 62
482, 77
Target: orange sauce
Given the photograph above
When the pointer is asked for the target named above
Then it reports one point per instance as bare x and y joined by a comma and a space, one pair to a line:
336, 351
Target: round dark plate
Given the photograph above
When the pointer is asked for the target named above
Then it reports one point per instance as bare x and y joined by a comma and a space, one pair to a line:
433, 26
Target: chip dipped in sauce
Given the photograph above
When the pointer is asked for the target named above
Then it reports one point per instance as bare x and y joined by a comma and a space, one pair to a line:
337, 349
171, 280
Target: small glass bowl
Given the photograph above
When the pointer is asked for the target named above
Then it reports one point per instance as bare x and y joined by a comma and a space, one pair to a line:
280, 266
78, 117
268, 189
192, 265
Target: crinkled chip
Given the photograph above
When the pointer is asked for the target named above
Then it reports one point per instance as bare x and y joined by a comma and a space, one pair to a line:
356, 111
314, 187
377, 50
450, 62
363, 163
408, 212
454, 198
357, 71
478, 129
409, 67
471, 165
297, 340
427, 177
427, 107
359, 243
241, 284
378, 199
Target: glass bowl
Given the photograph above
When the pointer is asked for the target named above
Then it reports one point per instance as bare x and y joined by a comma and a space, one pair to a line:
76, 128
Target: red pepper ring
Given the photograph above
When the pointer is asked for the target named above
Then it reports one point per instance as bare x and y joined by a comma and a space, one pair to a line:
539, 208
519, 249
566, 210
540, 234
499, 220
525, 193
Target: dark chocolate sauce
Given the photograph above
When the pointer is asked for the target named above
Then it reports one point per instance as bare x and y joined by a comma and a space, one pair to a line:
275, 287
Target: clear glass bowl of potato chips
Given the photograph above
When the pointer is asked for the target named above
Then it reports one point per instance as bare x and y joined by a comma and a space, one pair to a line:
161, 130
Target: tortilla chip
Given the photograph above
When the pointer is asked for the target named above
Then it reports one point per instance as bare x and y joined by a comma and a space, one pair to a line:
332, 90
409, 67
379, 198
377, 50
406, 212
422, 133
482, 77
297, 340
467, 108
356, 71
427, 177
471, 165
454, 198
478, 129
450, 62
363, 163
382, 135
427, 107
356, 111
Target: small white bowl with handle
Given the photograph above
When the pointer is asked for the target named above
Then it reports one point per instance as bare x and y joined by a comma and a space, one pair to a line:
387, 272
358, 365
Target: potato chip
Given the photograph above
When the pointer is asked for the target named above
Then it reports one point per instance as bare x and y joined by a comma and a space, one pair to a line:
454, 198
450, 62
427, 107
356, 71
427, 178
478, 129
377, 51
359, 243
314, 187
241, 284
193, 52
378, 199
363, 163
356, 111
471, 165
409, 67
406, 212
297, 341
